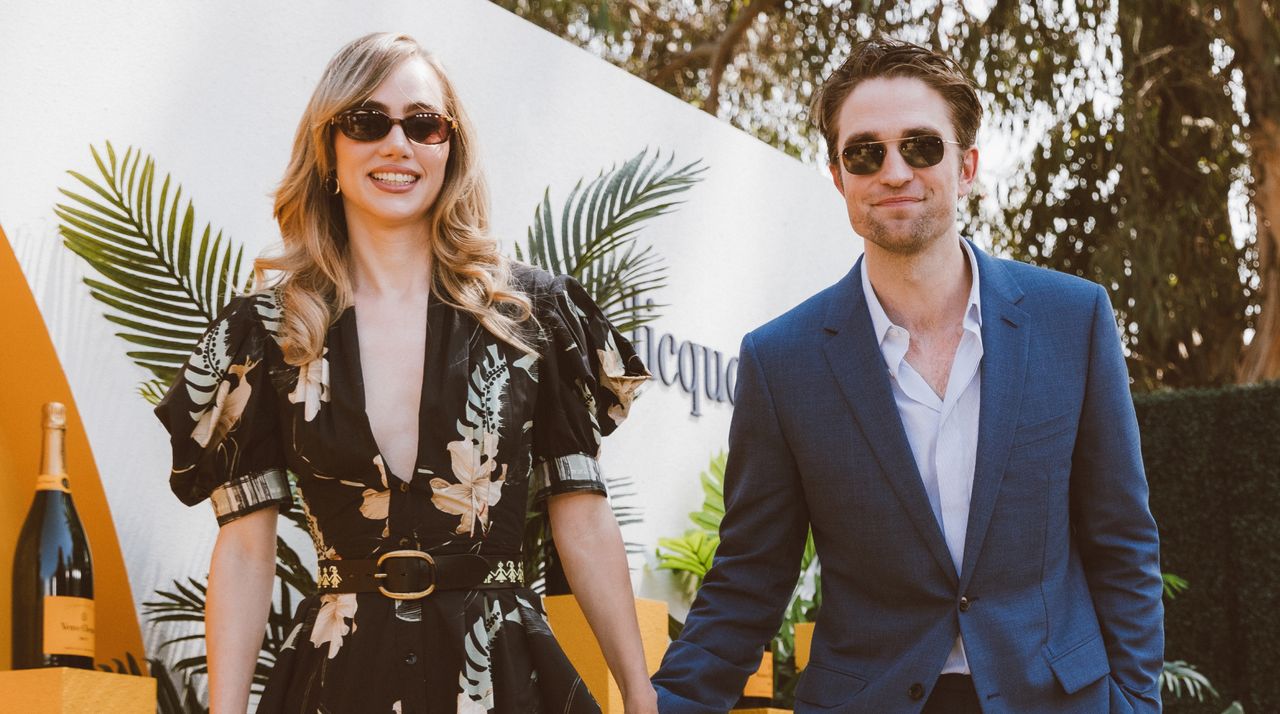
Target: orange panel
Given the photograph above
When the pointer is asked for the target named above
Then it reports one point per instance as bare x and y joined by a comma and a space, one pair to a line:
804, 644
62, 690
30, 375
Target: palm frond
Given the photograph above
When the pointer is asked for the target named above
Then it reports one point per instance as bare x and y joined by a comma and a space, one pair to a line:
163, 284
1173, 585
171, 700
595, 242
152, 390
690, 556
1178, 676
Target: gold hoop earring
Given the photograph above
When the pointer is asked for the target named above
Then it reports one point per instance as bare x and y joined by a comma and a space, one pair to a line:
336, 188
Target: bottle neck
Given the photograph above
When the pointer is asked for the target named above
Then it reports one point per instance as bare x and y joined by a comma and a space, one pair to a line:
53, 461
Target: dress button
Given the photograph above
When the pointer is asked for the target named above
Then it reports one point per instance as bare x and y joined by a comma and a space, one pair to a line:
411, 658
964, 604
916, 691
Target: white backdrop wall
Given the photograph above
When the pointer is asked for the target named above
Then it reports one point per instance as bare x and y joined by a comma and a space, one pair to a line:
214, 90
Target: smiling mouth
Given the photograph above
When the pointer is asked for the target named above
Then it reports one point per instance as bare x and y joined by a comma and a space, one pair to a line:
896, 200
393, 178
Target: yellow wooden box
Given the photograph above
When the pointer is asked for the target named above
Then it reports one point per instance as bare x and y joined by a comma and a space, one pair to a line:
65, 690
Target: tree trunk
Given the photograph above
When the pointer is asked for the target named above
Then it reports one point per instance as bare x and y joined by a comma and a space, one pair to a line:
1257, 46
1262, 358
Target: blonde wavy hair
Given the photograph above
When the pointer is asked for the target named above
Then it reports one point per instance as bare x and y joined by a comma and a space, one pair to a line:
314, 267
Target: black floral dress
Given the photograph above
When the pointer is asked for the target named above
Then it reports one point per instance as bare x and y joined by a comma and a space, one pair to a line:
493, 424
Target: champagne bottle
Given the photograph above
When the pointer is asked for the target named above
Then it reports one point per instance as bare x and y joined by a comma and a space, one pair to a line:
53, 618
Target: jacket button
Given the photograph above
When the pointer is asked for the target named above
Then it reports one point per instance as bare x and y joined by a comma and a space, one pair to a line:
404, 487
964, 604
411, 658
405, 542
916, 691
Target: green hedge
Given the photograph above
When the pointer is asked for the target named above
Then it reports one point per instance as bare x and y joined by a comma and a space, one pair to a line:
1213, 462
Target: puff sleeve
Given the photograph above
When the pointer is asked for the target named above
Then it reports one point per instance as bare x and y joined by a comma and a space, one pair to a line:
221, 416
588, 377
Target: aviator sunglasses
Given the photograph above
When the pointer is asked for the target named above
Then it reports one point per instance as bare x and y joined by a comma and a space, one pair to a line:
372, 125
920, 152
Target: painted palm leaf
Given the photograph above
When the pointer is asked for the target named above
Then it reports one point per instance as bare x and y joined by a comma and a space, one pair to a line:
595, 242
160, 282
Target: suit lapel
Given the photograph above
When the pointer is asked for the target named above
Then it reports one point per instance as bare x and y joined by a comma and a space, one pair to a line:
1005, 339
858, 366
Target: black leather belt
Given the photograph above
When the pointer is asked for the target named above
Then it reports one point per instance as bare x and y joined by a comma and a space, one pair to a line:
413, 574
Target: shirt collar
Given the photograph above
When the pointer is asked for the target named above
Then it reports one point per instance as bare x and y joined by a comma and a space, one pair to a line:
881, 323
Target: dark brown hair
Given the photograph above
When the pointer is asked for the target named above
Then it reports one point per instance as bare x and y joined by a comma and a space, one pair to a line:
879, 57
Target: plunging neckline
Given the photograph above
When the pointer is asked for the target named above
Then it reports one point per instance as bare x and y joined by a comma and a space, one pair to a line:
445, 378
358, 365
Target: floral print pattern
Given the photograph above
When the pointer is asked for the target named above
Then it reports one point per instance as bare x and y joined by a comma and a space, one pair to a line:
331, 621
477, 489
312, 387
496, 427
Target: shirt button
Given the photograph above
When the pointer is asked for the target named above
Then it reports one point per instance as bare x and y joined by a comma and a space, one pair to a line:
411, 658
964, 604
916, 691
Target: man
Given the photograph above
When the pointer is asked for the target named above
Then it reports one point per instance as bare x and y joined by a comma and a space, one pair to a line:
958, 432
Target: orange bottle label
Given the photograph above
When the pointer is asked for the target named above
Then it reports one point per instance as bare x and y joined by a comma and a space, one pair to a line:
53, 482
68, 626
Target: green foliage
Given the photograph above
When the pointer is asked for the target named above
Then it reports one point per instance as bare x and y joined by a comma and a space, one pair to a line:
1182, 679
712, 512
162, 284
1130, 187
1173, 585
690, 557
599, 224
1210, 459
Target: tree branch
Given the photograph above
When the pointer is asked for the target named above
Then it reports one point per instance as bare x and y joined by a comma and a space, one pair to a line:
725, 51
700, 53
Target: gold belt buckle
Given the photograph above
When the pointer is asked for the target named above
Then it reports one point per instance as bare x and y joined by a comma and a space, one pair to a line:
407, 554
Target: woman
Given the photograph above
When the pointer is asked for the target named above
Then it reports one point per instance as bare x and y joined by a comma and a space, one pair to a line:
421, 387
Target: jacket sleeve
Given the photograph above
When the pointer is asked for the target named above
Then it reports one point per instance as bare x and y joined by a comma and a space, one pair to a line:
1114, 530
741, 602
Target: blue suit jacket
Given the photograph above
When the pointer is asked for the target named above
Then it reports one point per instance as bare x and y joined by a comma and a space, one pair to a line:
1058, 597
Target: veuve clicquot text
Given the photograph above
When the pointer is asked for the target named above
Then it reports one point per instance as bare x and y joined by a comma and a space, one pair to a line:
53, 619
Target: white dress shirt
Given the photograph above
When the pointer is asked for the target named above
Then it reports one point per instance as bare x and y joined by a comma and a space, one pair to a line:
943, 432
